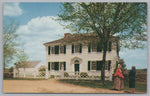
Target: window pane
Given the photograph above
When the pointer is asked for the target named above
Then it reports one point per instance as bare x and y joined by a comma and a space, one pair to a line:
93, 65
94, 47
53, 50
61, 49
77, 48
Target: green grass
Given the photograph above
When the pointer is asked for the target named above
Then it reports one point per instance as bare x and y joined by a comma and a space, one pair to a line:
140, 86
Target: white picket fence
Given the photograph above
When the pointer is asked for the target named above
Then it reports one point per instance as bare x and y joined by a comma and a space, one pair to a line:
62, 75
75, 75
40, 74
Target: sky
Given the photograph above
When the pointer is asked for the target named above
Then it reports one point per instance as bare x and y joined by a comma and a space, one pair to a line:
37, 26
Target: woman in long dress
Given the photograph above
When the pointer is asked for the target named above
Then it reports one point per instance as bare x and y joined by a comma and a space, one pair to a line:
132, 79
118, 79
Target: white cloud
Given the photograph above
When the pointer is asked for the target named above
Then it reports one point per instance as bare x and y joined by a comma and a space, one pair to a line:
12, 9
37, 31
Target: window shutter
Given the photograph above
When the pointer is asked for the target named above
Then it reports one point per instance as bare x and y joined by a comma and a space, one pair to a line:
64, 65
64, 49
49, 66
49, 50
109, 64
56, 49
99, 65
72, 48
99, 47
80, 48
89, 65
110, 44
56, 66
89, 47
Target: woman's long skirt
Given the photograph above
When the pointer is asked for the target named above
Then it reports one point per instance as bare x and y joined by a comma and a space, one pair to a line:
118, 83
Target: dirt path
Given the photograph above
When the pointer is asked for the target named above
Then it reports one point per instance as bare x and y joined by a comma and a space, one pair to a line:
48, 86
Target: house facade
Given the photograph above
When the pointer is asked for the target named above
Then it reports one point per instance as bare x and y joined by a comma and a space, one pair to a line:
81, 53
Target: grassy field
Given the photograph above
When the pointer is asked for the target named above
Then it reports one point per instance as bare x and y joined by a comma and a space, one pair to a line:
140, 86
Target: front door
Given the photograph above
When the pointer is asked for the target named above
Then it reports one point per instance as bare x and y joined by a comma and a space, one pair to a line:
76, 66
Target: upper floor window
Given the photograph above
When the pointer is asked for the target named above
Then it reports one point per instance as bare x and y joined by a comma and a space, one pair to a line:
57, 49
76, 48
97, 47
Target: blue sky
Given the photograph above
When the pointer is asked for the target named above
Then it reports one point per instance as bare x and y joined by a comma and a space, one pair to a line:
37, 27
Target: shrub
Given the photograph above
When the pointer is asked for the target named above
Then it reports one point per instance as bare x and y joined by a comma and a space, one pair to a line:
66, 74
52, 76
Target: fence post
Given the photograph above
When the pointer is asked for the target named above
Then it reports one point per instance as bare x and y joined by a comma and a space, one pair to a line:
46, 74
76, 75
62, 72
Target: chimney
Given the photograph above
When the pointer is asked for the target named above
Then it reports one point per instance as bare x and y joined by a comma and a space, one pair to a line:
66, 35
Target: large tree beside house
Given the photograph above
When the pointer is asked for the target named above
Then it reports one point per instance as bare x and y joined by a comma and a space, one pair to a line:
128, 21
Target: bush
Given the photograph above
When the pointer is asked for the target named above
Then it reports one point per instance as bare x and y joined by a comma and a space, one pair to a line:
66, 74
83, 74
52, 76
8, 75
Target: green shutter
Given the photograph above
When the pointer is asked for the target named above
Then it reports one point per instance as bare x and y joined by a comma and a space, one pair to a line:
80, 48
49, 66
109, 64
56, 66
99, 47
49, 50
89, 47
72, 48
64, 65
56, 49
99, 65
64, 49
89, 65
110, 44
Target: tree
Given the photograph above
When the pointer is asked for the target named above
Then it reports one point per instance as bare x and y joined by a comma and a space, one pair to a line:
9, 42
128, 21
22, 60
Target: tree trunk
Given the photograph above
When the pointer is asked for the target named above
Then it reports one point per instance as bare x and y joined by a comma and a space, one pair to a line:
103, 64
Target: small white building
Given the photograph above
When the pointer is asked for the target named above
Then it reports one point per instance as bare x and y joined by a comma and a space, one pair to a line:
27, 69
82, 53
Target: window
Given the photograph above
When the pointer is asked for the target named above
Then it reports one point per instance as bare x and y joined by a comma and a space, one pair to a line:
52, 65
53, 50
99, 65
107, 65
49, 50
63, 49
62, 64
56, 66
109, 46
93, 67
77, 48
56, 49
95, 47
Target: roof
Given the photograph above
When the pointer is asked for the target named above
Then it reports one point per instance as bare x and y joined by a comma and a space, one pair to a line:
75, 37
27, 64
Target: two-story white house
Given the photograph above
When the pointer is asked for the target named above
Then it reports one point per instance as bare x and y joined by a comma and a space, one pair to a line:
82, 53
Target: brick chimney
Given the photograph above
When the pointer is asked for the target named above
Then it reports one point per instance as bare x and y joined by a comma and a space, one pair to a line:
66, 35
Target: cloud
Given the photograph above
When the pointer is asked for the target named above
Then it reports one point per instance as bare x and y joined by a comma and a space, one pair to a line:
12, 9
37, 31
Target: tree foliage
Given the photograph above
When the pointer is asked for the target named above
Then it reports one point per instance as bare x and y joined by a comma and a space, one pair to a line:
9, 42
128, 21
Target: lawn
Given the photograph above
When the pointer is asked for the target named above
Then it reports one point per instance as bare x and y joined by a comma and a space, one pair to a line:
140, 86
